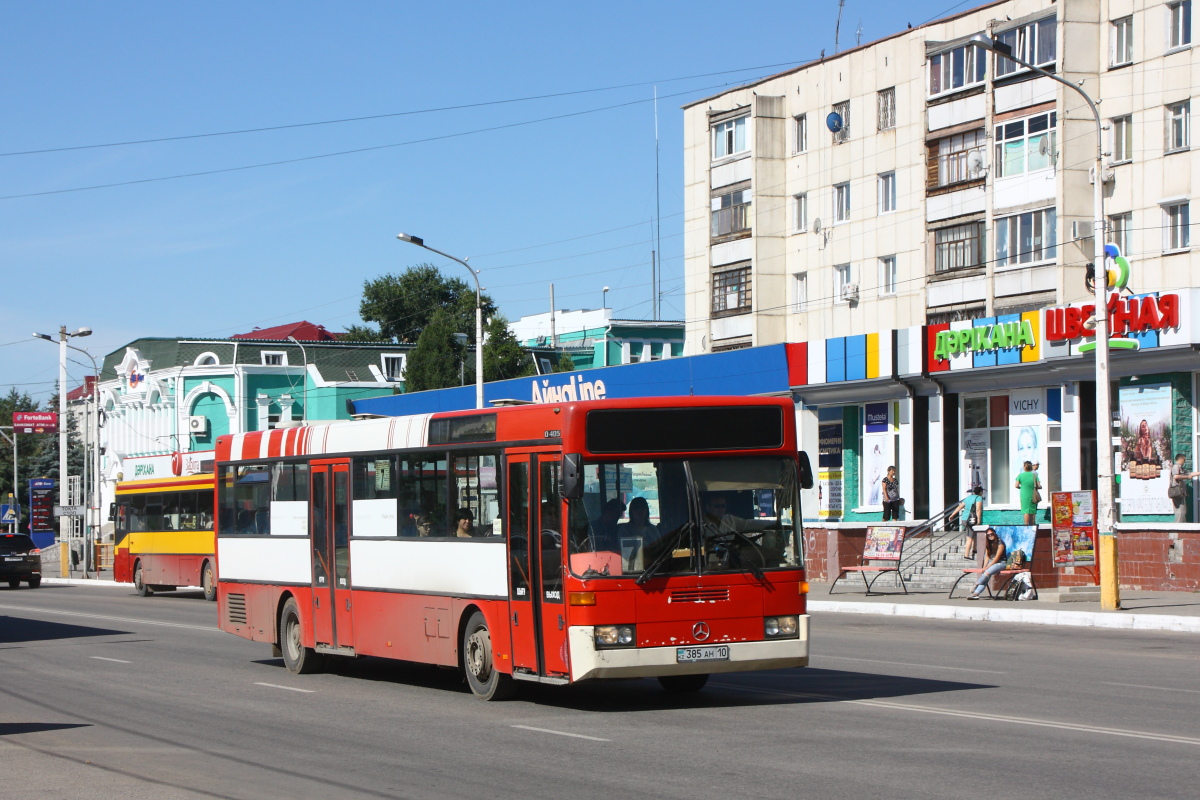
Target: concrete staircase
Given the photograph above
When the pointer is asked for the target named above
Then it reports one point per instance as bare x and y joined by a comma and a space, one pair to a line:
946, 567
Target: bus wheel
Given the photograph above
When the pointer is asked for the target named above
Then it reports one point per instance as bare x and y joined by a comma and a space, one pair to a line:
138, 584
678, 684
208, 580
485, 682
35, 581
296, 657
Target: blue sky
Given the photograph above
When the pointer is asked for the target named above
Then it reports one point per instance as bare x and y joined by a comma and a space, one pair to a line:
565, 201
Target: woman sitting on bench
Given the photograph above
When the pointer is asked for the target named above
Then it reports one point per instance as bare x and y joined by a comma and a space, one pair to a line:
993, 551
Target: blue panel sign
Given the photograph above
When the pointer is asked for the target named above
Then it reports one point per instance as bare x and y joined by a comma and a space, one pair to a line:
877, 417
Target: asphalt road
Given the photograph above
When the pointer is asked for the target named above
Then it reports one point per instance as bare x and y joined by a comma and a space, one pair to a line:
105, 694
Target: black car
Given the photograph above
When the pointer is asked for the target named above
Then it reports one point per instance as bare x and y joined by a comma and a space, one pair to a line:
20, 560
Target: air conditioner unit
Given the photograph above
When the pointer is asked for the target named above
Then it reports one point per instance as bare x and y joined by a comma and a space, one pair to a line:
850, 292
198, 424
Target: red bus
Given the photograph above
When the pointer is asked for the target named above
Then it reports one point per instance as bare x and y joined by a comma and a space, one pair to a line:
163, 534
549, 543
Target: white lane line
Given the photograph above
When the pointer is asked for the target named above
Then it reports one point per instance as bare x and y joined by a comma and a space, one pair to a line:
1159, 688
981, 715
115, 660
112, 619
908, 664
562, 733
288, 688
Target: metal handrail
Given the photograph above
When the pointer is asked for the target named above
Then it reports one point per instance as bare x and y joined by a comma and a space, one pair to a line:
929, 526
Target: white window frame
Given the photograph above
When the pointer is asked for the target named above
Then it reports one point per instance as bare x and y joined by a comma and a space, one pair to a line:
732, 208
800, 211
1179, 25
800, 292
800, 126
842, 109
887, 192
1003, 137
1026, 42
952, 163
1120, 50
1120, 231
974, 70
726, 133
383, 362
841, 203
1177, 232
887, 275
1178, 117
843, 276
886, 106
1122, 139
1043, 218
264, 355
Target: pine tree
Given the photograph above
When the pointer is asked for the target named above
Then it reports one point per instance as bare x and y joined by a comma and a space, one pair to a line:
44, 461
503, 356
436, 361
27, 444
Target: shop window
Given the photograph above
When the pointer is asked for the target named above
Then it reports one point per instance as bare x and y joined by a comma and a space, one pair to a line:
878, 443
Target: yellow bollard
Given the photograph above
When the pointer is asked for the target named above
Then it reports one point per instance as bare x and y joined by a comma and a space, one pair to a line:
64, 560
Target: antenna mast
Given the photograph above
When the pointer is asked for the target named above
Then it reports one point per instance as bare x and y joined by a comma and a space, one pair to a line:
655, 278
837, 28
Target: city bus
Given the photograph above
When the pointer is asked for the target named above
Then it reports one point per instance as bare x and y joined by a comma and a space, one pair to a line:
497, 541
163, 534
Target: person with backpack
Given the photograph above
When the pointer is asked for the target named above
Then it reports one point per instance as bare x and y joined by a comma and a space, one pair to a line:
971, 508
994, 552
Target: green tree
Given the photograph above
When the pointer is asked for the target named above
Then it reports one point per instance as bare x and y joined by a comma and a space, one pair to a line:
565, 363
436, 360
43, 463
503, 356
403, 305
364, 333
27, 445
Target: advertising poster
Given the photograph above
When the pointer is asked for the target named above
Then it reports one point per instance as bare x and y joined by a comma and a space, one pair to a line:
975, 446
829, 470
1074, 523
884, 544
1017, 537
1145, 458
1026, 414
876, 458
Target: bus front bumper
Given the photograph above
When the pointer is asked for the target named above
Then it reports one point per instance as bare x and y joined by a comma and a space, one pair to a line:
648, 662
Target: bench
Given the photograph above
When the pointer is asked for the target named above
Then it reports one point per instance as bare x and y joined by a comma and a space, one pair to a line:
1015, 537
883, 545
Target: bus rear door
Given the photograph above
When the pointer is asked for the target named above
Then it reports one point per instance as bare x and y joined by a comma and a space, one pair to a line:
329, 534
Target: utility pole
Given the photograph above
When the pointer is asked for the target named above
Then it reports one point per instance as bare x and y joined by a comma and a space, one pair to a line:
553, 338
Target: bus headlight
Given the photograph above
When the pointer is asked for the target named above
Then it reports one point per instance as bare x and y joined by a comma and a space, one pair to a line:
609, 636
781, 627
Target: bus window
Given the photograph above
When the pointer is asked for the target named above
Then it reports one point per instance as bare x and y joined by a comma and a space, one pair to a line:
154, 512
251, 495
422, 491
518, 541
289, 499
227, 501
171, 514
121, 523
374, 494
137, 513
188, 510
475, 489
551, 494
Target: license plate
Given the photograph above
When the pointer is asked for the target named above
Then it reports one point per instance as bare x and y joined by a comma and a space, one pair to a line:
689, 655
10, 558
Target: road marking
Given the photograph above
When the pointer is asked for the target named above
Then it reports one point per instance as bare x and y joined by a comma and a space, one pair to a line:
562, 733
1159, 688
980, 715
907, 664
116, 660
113, 619
288, 688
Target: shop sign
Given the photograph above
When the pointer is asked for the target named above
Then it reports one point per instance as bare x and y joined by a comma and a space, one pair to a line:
877, 417
35, 421
829, 470
1131, 315
985, 337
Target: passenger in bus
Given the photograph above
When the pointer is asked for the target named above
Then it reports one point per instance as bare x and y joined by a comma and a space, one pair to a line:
636, 533
465, 526
424, 525
718, 523
604, 529
245, 518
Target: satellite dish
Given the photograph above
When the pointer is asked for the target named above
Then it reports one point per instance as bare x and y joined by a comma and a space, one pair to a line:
974, 162
817, 225
834, 122
1044, 146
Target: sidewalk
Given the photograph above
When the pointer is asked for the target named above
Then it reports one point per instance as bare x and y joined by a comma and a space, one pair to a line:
1140, 610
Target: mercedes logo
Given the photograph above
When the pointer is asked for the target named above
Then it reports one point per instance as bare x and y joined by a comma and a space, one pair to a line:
701, 631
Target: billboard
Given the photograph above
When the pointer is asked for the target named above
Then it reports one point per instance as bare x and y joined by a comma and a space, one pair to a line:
35, 422
1145, 457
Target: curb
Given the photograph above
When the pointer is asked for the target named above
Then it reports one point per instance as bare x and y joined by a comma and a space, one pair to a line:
86, 582
1033, 616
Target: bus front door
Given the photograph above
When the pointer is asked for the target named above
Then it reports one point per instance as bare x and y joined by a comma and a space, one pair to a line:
552, 613
329, 532
521, 607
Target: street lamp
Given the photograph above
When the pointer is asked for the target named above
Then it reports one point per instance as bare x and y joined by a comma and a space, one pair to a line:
303, 386
419, 242
92, 463
63, 335
604, 299
1110, 594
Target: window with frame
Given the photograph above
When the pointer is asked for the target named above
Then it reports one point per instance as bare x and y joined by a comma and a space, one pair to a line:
887, 192
800, 291
1026, 238
841, 202
1179, 135
1122, 42
729, 137
885, 101
800, 126
985, 440
1177, 232
272, 358
1026, 145
1122, 138
1034, 42
1179, 24
393, 366
731, 291
731, 213
958, 247
955, 69
1120, 227
951, 155
842, 277
842, 110
887, 275
800, 206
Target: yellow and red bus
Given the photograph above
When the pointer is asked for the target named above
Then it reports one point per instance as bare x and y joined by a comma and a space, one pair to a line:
497, 542
163, 534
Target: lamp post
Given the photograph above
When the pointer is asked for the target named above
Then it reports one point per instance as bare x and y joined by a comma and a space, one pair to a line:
1110, 593
303, 386
63, 336
91, 463
604, 299
419, 242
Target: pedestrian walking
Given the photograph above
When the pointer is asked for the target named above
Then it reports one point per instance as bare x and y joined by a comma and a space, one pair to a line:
1029, 485
1177, 491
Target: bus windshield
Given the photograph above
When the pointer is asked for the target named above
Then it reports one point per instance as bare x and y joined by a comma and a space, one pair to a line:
685, 517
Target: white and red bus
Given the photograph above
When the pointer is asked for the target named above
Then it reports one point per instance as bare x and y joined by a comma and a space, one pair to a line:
550, 543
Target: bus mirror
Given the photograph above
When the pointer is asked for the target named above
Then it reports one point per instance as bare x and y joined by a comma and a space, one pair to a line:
572, 476
806, 474
112, 512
